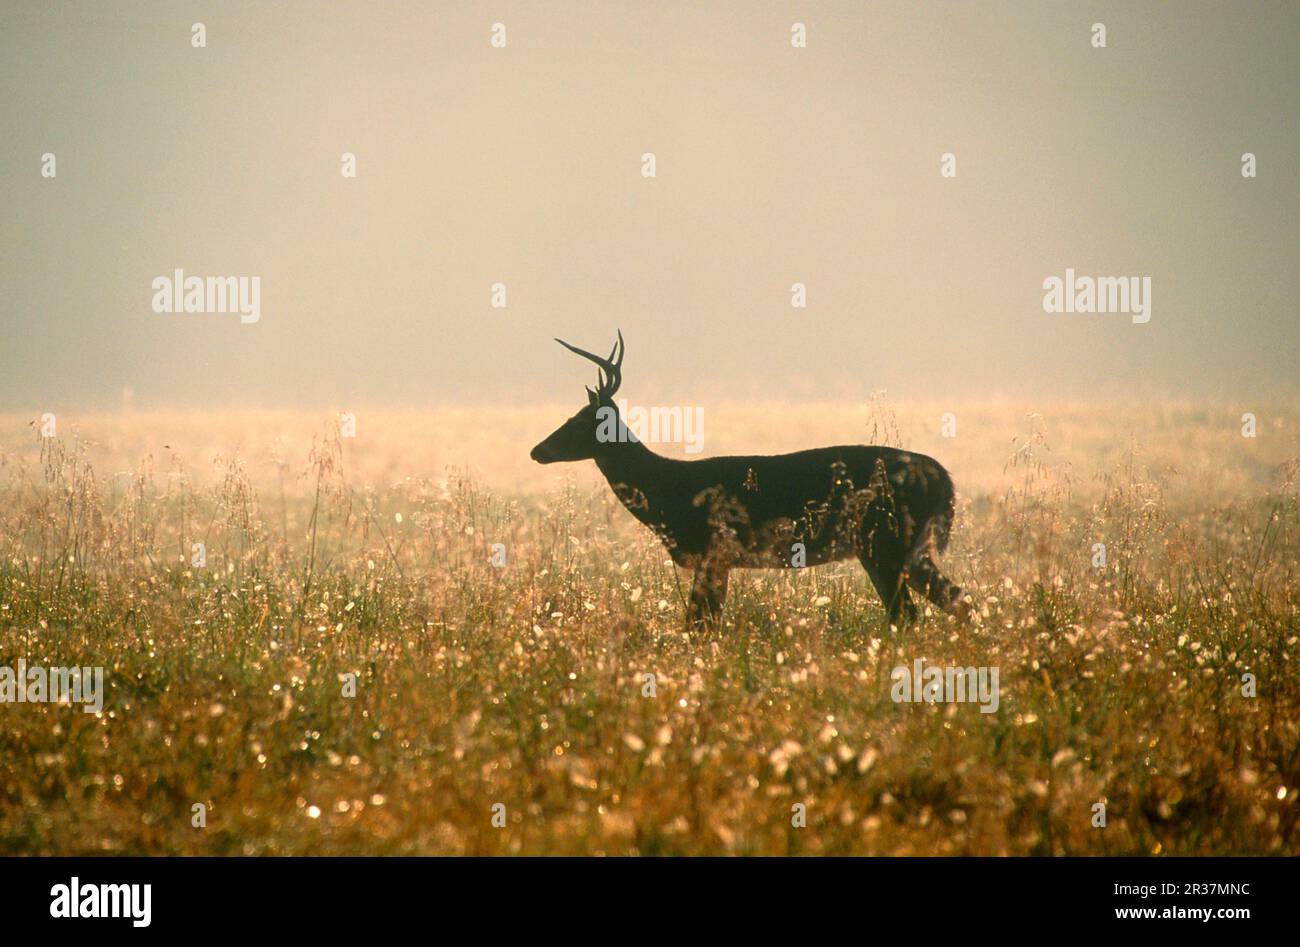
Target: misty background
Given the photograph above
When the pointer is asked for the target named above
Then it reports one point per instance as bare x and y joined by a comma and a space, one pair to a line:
522, 165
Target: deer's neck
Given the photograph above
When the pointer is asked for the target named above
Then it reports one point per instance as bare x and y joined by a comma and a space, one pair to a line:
635, 474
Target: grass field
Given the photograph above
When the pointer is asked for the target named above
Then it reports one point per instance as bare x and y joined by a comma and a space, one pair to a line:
524, 685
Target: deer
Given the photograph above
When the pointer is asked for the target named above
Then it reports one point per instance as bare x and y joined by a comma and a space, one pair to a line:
890, 509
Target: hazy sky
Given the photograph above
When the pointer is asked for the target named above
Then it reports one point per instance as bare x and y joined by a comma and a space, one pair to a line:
522, 165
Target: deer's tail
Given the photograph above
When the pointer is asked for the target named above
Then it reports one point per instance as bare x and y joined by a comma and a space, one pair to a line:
922, 573
939, 526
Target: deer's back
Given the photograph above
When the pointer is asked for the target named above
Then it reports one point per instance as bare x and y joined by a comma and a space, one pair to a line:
765, 499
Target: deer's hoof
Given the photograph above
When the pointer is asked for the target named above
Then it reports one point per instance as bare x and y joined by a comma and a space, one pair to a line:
961, 609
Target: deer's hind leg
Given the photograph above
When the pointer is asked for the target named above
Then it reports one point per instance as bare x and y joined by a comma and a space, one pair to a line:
882, 548
925, 578
708, 592
883, 554
892, 588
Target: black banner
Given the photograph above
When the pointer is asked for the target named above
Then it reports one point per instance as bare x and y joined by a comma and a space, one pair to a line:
141, 896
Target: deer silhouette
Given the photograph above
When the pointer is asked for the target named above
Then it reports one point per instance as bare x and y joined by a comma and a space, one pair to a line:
890, 509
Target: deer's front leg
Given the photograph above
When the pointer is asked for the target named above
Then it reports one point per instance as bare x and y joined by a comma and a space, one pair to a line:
708, 592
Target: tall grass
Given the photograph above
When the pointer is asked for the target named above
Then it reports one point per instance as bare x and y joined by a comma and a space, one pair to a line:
526, 685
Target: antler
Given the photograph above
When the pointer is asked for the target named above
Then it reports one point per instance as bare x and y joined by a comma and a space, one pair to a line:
611, 369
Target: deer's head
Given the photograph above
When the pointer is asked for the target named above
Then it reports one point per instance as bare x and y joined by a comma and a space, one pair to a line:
597, 425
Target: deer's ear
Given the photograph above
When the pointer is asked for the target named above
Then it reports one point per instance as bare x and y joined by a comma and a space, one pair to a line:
592, 397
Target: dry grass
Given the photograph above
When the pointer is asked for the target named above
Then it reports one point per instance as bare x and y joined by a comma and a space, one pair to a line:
524, 685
